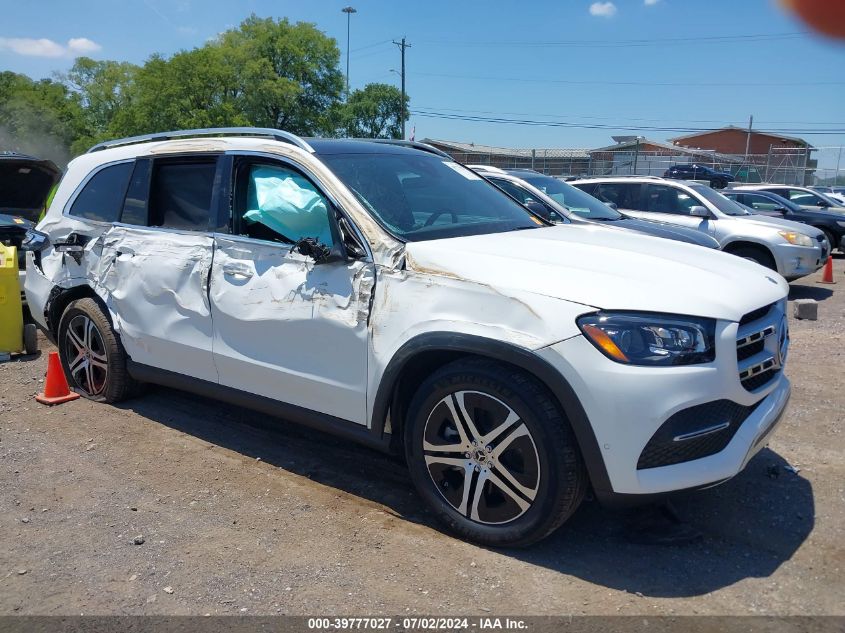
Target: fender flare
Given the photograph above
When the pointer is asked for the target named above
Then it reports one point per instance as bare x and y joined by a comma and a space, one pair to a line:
520, 357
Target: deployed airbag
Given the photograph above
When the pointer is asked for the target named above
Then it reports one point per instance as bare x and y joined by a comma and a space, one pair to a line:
287, 203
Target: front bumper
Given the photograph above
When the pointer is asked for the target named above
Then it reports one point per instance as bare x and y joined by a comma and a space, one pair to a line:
626, 405
797, 261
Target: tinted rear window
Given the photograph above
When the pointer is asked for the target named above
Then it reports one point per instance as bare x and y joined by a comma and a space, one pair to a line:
101, 199
180, 195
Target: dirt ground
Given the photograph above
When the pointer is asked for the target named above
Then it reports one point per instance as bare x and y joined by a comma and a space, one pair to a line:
238, 513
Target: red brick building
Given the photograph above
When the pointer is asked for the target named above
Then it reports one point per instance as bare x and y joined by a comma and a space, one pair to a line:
731, 140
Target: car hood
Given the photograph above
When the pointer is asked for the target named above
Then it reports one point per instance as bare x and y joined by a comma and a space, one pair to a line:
604, 268
25, 183
778, 222
666, 231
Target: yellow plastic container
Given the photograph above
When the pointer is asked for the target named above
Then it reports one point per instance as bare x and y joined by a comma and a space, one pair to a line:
11, 312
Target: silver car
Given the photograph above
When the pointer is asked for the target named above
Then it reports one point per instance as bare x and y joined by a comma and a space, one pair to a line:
792, 249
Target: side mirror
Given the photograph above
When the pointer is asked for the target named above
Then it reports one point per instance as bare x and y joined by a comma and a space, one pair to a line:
538, 208
699, 211
613, 205
823, 204
349, 240
319, 252
781, 210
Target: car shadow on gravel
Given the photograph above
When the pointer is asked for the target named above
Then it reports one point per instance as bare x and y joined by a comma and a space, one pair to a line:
751, 524
818, 293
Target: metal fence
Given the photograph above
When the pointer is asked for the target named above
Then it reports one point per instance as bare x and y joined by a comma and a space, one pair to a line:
792, 166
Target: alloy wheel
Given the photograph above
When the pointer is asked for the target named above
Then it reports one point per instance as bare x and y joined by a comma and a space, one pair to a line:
481, 457
87, 361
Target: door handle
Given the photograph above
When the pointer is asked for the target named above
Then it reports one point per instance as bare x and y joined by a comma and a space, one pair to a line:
238, 272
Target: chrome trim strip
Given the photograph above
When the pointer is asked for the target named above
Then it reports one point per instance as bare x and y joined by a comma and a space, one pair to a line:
755, 337
701, 432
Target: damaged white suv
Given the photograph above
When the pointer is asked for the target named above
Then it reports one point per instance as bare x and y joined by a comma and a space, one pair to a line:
385, 293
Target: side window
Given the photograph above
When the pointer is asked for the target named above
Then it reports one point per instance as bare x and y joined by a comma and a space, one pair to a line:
277, 203
759, 202
623, 194
803, 197
665, 199
135, 205
102, 197
517, 192
180, 194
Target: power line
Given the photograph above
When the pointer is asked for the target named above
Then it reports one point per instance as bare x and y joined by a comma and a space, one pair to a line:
720, 122
595, 126
668, 41
590, 82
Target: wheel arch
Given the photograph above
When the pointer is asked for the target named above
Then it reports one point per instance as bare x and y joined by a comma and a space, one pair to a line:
747, 243
59, 300
425, 353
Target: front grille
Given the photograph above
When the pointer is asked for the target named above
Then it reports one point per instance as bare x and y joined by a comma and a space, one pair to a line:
761, 344
758, 380
693, 433
749, 350
759, 313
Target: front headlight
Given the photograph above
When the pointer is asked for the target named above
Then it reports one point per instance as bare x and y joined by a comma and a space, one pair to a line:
799, 239
651, 339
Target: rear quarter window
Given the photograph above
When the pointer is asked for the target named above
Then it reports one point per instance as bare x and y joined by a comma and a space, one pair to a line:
101, 198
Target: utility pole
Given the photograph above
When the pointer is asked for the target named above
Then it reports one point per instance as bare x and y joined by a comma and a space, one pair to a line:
636, 154
348, 11
402, 46
748, 137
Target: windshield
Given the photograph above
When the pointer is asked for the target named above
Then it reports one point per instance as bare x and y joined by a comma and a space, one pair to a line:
725, 205
572, 198
424, 197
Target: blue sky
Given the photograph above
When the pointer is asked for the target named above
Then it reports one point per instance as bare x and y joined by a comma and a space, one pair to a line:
626, 64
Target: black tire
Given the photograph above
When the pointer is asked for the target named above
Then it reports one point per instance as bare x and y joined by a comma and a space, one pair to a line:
830, 239
30, 338
108, 380
756, 254
560, 482
718, 183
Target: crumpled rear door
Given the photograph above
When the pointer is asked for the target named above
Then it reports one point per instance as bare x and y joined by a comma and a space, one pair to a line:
155, 283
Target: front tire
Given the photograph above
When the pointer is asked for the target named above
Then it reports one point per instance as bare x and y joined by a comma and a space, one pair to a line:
491, 454
758, 255
92, 356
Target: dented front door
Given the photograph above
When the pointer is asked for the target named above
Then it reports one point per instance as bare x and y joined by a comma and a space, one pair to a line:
289, 329
155, 283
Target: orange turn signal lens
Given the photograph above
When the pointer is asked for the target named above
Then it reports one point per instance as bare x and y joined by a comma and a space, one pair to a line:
604, 342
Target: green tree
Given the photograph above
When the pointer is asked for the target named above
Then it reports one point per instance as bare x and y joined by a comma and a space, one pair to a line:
38, 117
104, 89
375, 112
264, 73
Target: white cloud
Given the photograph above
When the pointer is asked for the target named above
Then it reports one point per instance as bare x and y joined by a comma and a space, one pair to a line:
651, 3
82, 45
603, 9
31, 47
44, 47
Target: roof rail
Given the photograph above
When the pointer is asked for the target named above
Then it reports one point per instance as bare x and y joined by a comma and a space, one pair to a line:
278, 135
425, 147
489, 168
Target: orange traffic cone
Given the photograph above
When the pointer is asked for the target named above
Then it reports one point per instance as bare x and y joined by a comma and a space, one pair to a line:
827, 277
56, 390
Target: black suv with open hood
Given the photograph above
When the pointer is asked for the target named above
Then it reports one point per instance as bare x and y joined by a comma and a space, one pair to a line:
25, 184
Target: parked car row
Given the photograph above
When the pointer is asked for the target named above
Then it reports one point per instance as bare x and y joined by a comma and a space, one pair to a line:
385, 293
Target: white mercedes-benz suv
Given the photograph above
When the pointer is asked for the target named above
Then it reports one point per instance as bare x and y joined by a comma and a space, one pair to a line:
385, 293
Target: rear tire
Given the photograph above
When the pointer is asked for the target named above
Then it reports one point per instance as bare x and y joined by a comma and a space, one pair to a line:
509, 471
92, 356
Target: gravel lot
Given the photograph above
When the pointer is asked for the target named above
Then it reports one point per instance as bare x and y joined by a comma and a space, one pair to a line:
171, 504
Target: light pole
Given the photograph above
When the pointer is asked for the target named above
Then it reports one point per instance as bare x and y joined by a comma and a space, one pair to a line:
348, 11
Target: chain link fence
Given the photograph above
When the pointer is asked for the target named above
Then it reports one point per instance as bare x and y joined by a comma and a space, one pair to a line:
791, 166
